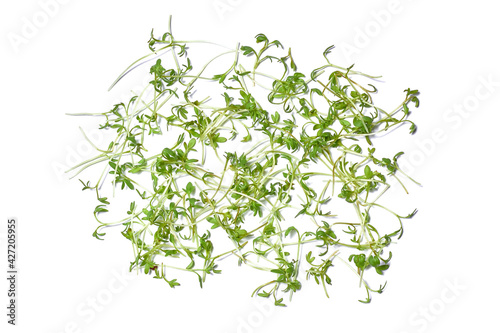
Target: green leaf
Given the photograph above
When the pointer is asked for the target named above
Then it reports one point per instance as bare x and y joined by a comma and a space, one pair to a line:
157, 68
328, 50
85, 186
345, 123
261, 38
291, 230
309, 257
317, 91
374, 261
247, 50
405, 109
279, 302
220, 139
409, 216
368, 172
191, 144
380, 269
173, 283
191, 265
189, 188
104, 200
100, 209
220, 77
128, 183
215, 222
276, 117
132, 208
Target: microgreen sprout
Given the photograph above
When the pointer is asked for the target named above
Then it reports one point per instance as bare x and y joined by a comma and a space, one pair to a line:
252, 159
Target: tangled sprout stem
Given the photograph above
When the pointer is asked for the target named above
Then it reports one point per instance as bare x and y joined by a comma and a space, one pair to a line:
252, 159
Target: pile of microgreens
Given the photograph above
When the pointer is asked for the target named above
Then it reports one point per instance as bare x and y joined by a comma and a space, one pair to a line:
254, 161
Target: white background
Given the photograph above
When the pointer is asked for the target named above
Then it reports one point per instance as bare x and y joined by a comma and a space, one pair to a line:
444, 273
